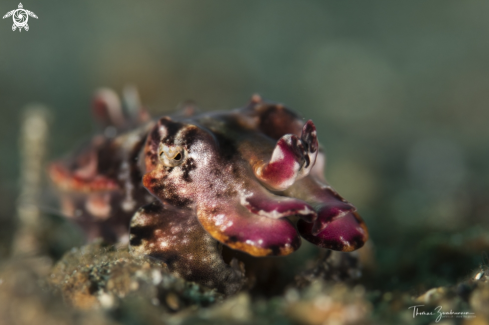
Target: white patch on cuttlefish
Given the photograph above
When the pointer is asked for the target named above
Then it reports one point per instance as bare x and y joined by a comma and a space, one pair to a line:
305, 211
274, 214
277, 155
345, 242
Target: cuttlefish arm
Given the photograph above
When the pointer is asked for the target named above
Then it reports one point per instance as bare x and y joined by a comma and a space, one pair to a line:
295, 169
242, 230
277, 121
291, 159
338, 225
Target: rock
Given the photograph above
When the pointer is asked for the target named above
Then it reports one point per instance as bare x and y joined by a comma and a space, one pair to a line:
95, 276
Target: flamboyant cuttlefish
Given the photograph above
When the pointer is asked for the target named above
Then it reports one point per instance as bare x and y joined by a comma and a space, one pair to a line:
181, 186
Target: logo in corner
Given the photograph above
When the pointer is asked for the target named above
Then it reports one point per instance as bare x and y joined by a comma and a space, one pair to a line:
20, 17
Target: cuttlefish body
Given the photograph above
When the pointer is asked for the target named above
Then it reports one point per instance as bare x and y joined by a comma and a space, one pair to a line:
181, 186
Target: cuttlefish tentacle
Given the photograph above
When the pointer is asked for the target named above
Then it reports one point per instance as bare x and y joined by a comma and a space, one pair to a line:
175, 236
338, 225
292, 159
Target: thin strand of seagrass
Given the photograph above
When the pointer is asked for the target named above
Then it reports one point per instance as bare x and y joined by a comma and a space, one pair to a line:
33, 138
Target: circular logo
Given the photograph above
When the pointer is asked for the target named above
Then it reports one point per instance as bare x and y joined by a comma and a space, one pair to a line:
20, 17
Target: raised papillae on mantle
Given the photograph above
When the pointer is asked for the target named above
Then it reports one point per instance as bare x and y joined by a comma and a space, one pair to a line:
179, 187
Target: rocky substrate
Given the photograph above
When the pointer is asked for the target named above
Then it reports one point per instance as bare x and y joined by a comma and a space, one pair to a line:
98, 284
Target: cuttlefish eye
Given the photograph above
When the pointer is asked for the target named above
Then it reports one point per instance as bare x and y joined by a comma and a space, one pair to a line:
171, 156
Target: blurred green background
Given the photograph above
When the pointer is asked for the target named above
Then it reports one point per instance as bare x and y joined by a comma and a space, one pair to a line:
399, 92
